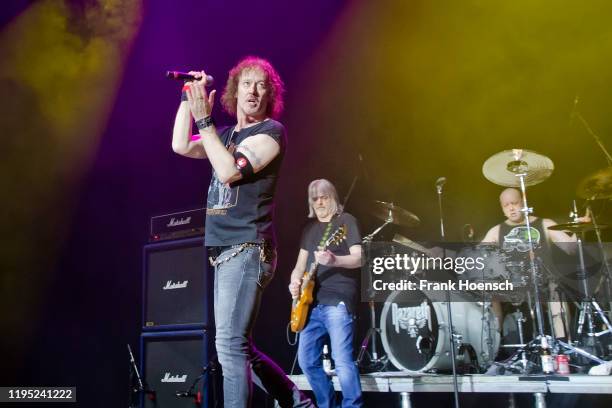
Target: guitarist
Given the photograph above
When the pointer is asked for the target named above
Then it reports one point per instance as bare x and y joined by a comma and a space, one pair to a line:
335, 296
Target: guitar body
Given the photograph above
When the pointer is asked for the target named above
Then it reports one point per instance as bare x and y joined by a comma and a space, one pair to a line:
301, 306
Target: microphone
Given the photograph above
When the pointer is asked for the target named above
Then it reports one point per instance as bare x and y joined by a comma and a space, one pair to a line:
439, 183
184, 76
573, 114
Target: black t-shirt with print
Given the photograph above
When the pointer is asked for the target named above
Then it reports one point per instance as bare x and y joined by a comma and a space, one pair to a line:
242, 211
333, 284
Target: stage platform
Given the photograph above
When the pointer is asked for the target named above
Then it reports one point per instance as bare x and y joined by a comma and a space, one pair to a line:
538, 385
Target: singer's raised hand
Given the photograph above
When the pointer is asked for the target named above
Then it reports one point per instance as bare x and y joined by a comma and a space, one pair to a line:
200, 101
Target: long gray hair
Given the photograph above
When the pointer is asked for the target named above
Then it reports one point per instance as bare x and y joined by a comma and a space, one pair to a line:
322, 187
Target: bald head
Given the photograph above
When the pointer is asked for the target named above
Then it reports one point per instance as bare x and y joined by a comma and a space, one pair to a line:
510, 194
511, 203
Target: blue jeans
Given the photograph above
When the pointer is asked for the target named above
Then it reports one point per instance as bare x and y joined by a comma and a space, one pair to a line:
239, 285
336, 322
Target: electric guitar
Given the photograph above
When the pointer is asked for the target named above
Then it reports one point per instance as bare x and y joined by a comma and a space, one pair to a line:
301, 304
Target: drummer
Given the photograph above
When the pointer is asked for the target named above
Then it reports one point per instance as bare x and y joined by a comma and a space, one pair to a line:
511, 235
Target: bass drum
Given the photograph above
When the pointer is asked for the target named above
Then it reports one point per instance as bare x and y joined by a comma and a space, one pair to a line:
415, 337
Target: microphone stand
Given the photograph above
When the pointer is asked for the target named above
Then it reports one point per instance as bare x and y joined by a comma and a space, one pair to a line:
451, 331
211, 368
140, 385
596, 137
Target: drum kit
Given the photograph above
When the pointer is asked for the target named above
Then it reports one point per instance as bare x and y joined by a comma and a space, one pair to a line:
415, 331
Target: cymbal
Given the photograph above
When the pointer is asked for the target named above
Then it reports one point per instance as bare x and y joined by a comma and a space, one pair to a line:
400, 239
502, 168
596, 186
577, 227
396, 214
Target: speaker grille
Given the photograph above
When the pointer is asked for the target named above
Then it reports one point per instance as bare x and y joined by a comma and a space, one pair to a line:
172, 363
177, 286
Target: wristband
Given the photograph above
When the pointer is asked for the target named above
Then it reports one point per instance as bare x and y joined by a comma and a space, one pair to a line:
184, 93
205, 122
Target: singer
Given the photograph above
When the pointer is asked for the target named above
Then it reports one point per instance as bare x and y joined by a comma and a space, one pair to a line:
246, 160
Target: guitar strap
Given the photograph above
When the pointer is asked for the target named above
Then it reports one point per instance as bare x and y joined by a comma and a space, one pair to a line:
325, 234
324, 238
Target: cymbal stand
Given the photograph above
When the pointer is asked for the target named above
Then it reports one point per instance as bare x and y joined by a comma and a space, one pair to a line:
597, 229
522, 363
588, 306
608, 276
370, 237
373, 331
520, 168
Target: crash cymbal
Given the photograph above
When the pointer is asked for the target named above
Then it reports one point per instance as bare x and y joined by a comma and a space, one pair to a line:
502, 168
577, 227
396, 214
596, 186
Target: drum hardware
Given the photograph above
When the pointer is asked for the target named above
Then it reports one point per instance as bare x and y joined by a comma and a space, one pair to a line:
577, 227
588, 305
608, 271
451, 332
402, 240
520, 319
375, 363
522, 168
390, 214
505, 167
596, 186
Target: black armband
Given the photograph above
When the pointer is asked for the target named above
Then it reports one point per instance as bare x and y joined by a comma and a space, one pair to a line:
205, 122
243, 165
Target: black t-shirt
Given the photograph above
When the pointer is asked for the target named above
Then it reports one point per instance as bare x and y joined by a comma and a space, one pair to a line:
242, 211
333, 284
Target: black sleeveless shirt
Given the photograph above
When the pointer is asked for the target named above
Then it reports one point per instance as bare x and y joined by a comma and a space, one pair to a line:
513, 240
242, 211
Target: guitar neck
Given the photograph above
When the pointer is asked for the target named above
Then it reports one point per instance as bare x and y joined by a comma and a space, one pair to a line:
312, 270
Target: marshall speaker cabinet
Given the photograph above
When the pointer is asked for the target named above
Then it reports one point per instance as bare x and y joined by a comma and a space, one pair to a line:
177, 286
176, 370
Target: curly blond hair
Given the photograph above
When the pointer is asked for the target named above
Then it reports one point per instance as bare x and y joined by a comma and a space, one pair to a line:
277, 88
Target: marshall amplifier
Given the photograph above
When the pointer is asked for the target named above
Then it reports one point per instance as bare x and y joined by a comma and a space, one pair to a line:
177, 286
178, 225
175, 367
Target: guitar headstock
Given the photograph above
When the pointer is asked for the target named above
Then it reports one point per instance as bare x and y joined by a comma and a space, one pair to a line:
337, 236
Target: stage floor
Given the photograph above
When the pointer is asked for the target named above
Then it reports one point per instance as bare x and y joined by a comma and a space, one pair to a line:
403, 382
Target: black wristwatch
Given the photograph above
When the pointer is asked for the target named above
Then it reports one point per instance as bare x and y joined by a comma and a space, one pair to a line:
205, 122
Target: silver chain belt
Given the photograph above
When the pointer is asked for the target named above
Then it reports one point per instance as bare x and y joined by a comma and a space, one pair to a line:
218, 260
